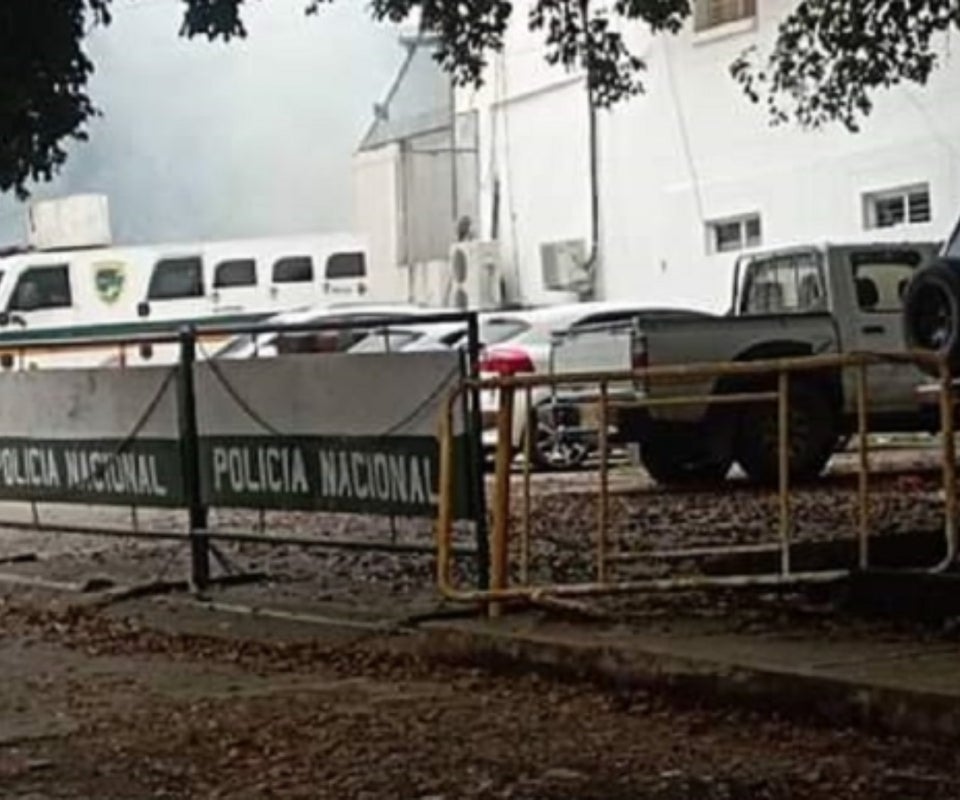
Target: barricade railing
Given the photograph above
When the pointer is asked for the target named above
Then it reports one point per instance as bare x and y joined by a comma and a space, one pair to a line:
182, 457
767, 381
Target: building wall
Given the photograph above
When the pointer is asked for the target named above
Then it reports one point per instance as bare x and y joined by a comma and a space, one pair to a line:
690, 150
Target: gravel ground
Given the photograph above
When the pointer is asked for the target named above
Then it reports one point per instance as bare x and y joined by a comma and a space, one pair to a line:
147, 714
99, 705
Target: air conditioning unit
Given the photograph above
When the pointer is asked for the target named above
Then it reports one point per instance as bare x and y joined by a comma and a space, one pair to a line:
563, 265
475, 278
81, 220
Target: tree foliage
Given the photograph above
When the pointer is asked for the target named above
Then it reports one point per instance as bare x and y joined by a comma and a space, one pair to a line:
832, 56
829, 59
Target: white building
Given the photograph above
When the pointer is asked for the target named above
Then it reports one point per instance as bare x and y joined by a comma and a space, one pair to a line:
688, 173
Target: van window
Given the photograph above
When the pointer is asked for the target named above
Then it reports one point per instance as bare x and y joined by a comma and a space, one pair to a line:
174, 278
953, 249
235, 272
42, 287
293, 269
346, 265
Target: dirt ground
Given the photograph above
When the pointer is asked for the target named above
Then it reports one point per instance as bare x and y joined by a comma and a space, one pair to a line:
97, 705
103, 696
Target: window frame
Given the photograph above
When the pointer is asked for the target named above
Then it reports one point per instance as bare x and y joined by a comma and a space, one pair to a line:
63, 267
197, 260
906, 194
284, 260
707, 20
230, 262
742, 221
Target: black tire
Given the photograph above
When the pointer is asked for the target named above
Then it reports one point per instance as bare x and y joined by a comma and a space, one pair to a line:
553, 450
931, 311
682, 460
813, 436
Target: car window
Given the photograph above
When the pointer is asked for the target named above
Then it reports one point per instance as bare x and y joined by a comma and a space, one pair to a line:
953, 249
386, 340
783, 284
293, 269
346, 265
42, 287
235, 272
495, 330
175, 278
881, 278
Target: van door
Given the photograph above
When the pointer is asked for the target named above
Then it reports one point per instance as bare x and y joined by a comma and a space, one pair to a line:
345, 275
293, 282
234, 288
40, 304
42, 299
176, 290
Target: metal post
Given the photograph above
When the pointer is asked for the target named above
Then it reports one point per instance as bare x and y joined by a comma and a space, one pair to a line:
499, 561
474, 422
863, 436
783, 427
190, 461
529, 431
949, 463
603, 510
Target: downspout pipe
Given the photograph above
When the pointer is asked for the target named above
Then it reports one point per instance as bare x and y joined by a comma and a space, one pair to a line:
593, 257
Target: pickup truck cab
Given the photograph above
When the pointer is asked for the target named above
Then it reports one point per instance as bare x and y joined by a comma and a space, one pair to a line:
799, 301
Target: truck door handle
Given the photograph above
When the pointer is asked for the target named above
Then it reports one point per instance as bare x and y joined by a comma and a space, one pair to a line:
873, 329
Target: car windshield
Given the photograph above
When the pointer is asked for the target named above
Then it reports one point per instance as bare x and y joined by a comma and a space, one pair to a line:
953, 249
386, 340
495, 330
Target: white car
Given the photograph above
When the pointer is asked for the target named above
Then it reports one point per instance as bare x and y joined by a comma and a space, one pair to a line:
265, 345
524, 348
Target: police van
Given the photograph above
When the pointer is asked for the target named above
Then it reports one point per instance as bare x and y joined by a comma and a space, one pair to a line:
88, 293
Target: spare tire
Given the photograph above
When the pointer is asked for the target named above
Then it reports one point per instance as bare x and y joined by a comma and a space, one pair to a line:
931, 311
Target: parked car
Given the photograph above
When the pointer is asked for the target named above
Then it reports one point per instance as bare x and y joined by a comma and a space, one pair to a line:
270, 343
524, 341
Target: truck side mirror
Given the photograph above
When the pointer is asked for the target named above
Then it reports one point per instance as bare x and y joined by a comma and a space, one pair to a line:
4, 319
143, 309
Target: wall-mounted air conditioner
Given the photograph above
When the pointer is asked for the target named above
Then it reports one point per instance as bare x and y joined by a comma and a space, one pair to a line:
563, 266
475, 277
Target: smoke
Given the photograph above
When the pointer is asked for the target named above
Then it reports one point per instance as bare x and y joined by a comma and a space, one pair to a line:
203, 140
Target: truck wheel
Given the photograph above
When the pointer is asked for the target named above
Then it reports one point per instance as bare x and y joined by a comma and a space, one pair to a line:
682, 461
931, 312
812, 436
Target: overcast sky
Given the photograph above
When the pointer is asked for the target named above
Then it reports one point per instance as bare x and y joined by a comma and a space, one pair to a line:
207, 140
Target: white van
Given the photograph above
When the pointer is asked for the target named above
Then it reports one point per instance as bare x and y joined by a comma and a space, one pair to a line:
128, 291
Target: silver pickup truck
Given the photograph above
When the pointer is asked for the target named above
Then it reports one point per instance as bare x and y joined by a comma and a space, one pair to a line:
832, 298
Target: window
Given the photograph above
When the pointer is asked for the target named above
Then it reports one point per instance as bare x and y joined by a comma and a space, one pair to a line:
953, 248
42, 287
175, 278
346, 265
494, 330
881, 278
235, 272
713, 13
293, 269
909, 205
783, 284
725, 236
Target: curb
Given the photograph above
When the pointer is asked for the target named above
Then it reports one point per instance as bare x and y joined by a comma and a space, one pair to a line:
805, 695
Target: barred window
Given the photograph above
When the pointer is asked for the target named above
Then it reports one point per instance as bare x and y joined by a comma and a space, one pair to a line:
713, 13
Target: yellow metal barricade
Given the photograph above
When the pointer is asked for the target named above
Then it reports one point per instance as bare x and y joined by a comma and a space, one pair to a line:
607, 550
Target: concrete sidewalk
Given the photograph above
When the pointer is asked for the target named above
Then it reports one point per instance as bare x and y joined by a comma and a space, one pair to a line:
895, 685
